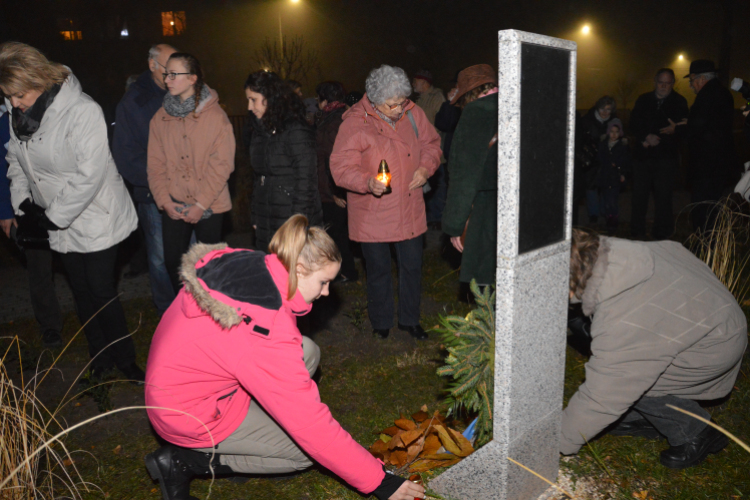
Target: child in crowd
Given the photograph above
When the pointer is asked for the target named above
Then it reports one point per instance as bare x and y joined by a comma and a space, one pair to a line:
614, 168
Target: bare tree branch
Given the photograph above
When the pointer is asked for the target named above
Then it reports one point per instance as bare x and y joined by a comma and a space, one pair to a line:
294, 60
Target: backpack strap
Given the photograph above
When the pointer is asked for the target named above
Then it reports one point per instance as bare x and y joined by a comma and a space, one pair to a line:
413, 123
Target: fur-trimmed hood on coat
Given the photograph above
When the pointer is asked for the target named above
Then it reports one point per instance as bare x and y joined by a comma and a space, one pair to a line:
226, 283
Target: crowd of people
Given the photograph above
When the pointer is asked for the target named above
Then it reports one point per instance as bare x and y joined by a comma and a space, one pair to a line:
229, 375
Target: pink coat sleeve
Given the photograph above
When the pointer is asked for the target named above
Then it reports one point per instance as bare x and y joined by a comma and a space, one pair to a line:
278, 380
346, 159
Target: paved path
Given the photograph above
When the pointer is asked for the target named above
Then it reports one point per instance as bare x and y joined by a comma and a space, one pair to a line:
14, 289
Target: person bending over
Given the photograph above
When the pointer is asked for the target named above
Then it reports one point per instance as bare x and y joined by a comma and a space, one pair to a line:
229, 374
665, 331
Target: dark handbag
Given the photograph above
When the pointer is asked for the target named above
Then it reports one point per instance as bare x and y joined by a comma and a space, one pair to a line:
29, 234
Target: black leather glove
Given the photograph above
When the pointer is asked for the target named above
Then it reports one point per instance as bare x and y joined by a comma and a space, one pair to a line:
388, 486
47, 224
38, 215
31, 208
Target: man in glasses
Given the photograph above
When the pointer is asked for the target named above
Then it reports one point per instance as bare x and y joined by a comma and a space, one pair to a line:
129, 148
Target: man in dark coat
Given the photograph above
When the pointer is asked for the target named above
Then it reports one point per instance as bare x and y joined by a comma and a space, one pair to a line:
129, 149
709, 134
657, 122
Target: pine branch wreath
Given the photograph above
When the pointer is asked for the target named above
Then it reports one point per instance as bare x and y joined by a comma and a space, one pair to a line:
470, 343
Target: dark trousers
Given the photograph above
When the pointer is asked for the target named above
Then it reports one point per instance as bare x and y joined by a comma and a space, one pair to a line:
705, 193
176, 235
92, 280
42, 289
676, 426
337, 226
655, 175
380, 288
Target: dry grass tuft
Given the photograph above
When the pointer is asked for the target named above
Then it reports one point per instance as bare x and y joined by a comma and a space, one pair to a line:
25, 425
725, 247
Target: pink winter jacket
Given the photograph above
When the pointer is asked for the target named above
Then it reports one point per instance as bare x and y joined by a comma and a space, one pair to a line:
363, 140
229, 336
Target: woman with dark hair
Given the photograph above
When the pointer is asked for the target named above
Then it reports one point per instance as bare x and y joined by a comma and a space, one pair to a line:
331, 107
665, 331
472, 166
283, 156
65, 185
190, 157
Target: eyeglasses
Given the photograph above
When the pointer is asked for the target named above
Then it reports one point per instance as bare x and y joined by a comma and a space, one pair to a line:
402, 104
160, 64
172, 76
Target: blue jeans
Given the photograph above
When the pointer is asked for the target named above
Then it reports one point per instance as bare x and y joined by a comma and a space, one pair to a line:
592, 202
161, 288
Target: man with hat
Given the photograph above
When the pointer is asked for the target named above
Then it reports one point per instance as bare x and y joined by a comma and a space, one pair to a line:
430, 99
711, 145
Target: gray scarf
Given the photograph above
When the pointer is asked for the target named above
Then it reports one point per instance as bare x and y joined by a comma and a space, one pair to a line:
180, 109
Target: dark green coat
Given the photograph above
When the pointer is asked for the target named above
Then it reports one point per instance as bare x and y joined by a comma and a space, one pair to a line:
472, 189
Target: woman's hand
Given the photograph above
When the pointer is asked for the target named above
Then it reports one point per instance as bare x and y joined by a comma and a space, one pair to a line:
456, 242
419, 179
171, 208
5, 225
375, 186
192, 214
339, 201
408, 491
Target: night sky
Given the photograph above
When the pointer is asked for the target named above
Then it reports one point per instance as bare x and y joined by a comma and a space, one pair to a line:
629, 40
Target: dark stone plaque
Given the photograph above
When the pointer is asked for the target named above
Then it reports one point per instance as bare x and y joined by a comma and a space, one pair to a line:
544, 141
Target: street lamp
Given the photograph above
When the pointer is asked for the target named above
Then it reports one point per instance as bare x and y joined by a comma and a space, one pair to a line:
586, 29
681, 57
281, 36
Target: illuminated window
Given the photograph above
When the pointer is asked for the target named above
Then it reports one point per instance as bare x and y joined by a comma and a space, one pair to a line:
173, 23
71, 35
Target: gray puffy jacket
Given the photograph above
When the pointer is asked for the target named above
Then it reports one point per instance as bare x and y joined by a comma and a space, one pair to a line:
663, 324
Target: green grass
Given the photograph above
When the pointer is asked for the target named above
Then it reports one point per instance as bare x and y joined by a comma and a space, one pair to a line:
367, 383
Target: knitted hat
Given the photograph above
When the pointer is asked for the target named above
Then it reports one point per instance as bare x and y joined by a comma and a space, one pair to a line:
615, 122
472, 77
424, 75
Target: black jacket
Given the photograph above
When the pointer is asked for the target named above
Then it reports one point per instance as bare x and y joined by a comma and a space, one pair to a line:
285, 178
446, 121
130, 142
613, 163
589, 133
326, 129
648, 118
709, 134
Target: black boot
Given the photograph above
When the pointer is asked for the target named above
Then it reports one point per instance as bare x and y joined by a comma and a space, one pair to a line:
695, 451
174, 467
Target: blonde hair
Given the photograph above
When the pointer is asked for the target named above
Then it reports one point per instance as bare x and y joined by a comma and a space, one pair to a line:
24, 68
297, 243
584, 250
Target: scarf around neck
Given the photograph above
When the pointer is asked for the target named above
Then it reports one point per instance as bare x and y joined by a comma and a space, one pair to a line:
26, 123
180, 109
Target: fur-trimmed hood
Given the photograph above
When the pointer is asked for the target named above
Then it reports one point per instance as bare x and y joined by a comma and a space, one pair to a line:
232, 284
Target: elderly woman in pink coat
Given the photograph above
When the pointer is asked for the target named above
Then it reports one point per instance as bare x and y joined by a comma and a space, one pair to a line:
386, 125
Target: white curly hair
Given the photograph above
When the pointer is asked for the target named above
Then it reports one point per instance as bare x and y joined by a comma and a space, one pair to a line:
387, 82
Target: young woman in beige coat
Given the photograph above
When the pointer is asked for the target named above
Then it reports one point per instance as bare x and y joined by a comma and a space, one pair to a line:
190, 157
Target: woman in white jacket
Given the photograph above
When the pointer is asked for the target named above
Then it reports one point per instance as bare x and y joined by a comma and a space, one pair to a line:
63, 177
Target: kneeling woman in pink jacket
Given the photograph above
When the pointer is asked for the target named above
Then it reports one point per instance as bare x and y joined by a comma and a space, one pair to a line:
229, 374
